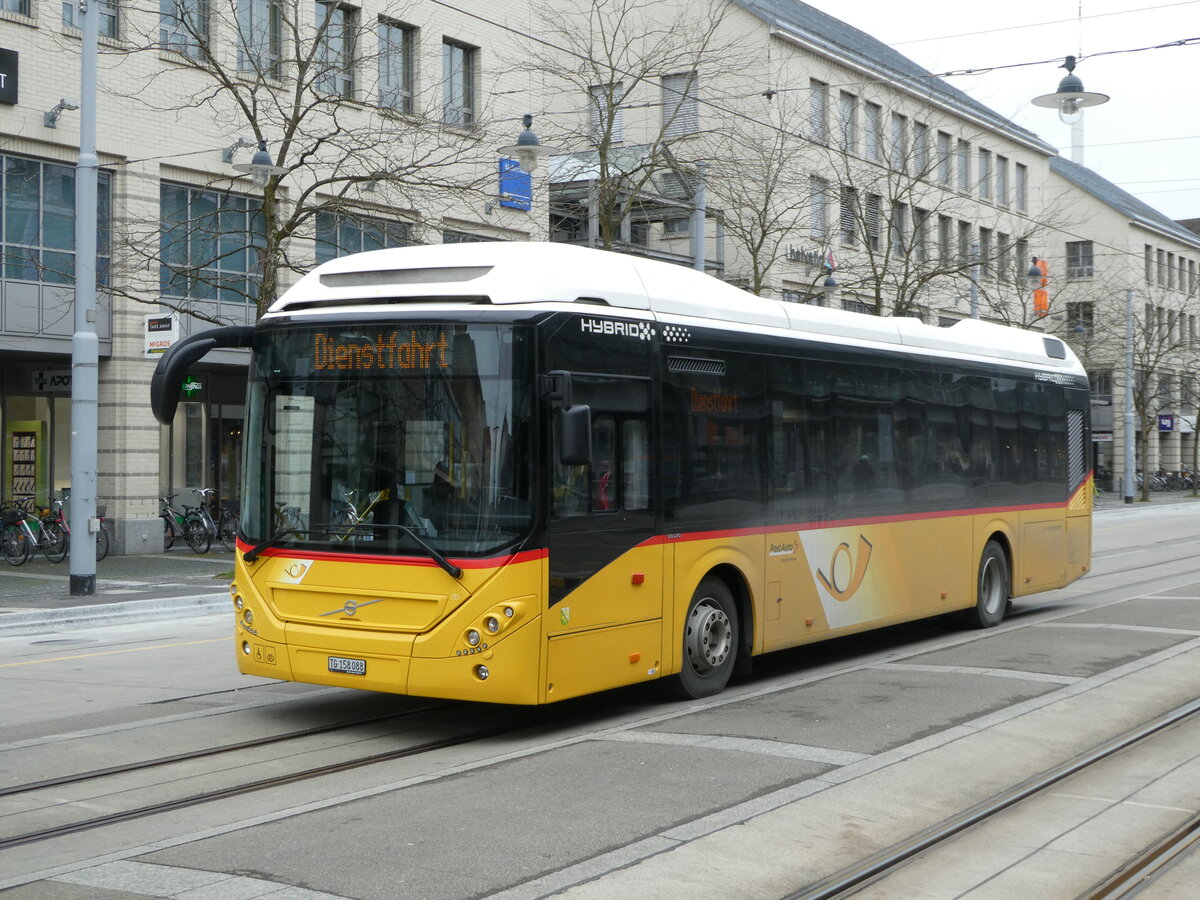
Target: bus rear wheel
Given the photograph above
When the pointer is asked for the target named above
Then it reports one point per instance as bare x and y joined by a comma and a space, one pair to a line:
710, 641
991, 589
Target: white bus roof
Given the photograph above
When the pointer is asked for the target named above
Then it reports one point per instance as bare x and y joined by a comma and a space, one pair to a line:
510, 273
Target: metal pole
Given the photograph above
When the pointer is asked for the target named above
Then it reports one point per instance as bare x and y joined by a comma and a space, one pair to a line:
85, 353
699, 214
974, 279
1129, 429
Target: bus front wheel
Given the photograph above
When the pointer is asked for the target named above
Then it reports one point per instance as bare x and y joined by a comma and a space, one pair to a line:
710, 641
991, 588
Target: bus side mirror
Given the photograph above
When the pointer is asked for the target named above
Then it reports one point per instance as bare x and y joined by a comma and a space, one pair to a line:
164, 383
575, 435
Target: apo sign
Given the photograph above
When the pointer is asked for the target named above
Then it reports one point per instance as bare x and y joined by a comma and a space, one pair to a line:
52, 382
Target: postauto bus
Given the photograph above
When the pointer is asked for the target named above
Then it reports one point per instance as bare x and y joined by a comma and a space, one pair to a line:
522, 472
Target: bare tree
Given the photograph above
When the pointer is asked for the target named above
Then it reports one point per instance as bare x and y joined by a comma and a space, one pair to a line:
917, 226
329, 93
637, 70
756, 194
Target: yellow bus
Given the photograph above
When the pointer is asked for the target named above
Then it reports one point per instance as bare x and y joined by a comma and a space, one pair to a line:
523, 472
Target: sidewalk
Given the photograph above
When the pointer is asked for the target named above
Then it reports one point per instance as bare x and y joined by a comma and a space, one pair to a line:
37, 595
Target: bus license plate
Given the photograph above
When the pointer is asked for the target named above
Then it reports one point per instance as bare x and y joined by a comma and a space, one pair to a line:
349, 666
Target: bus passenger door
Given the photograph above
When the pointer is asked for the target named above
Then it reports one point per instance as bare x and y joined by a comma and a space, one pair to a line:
605, 567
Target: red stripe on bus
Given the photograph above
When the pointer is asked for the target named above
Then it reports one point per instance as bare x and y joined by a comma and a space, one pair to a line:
490, 563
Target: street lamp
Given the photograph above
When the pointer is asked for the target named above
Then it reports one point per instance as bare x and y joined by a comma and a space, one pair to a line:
528, 148
830, 287
260, 168
1070, 100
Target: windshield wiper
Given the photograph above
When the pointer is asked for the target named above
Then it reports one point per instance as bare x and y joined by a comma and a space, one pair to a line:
451, 569
252, 554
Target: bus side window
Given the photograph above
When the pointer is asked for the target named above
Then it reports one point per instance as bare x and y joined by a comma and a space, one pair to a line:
635, 465
604, 462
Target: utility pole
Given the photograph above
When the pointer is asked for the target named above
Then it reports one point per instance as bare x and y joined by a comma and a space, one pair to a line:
85, 349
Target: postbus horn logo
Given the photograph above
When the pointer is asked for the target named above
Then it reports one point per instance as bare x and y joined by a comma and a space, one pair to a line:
857, 568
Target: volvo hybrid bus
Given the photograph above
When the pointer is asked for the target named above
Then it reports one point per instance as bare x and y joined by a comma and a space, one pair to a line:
522, 472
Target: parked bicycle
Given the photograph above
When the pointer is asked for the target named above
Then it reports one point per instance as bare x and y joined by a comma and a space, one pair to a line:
57, 529
196, 525
186, 525
20, 539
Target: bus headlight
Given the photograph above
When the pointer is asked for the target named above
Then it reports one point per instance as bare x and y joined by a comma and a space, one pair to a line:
492, 624
238, 602
482, 673
246, 648
508, 612
473, 638
248, 617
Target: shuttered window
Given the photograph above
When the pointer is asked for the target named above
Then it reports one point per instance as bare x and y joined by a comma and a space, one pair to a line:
680, 110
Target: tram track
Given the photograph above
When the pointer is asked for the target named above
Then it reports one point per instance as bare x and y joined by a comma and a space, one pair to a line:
199, 798
193, 755
892, 859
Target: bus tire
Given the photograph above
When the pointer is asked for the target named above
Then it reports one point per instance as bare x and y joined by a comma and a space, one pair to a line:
991, 589
710, 641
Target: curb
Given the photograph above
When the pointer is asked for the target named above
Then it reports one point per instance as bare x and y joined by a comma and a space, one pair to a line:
40, 620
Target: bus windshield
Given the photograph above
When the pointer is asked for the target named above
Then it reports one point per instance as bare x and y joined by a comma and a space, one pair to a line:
390, 438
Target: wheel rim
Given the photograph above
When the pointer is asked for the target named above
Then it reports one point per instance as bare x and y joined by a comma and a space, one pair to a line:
709, 638
991, 586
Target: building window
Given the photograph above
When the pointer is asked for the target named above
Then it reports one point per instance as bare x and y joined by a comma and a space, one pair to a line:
818, 110
871, 223
858, 306
1003, 255
1100, 383
680, 108
336, 25
964, 242
1192, 277
899, 142
1161, 265
818, 201
872, 124
945, 240
899, 229
109, 22
1148, 253
1022, 186
920, 149
1080, 318
397, 44
210, 244
985, 253
260, 37
1021, 267
458, 83
920, 234
1079, 259
964, 166
943, 158
848, 121
340, 235
606, 113
37, 220
985, 174
1002, 180
1170, 271
848, 218
183, 26
21, 7
463, 237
